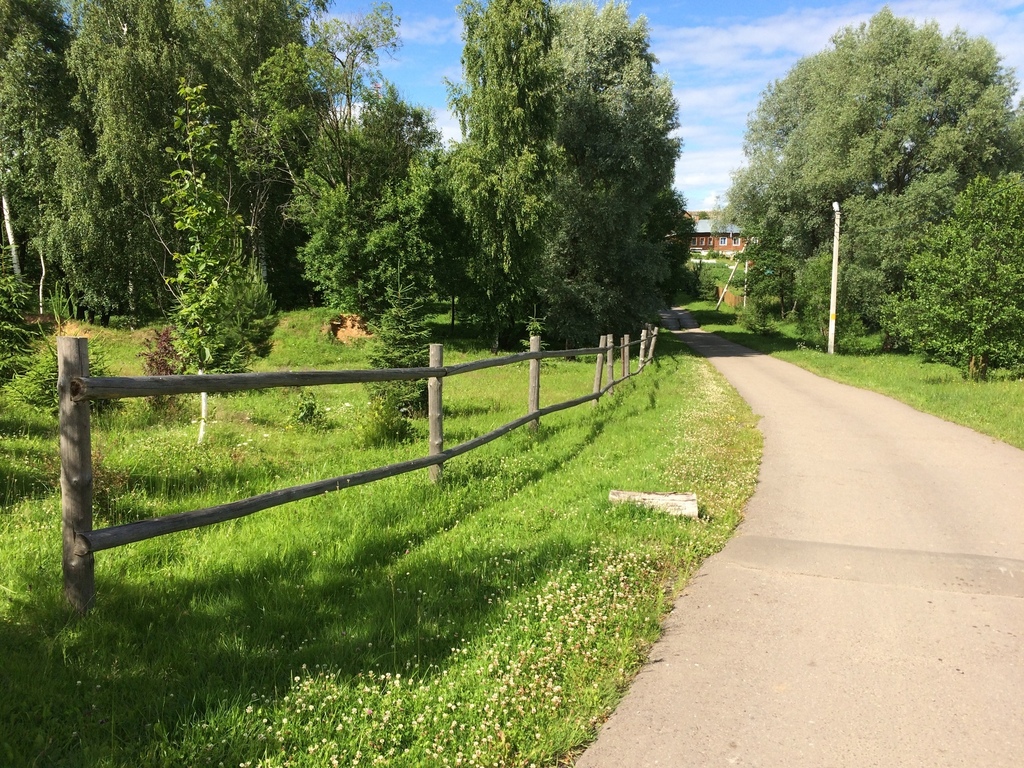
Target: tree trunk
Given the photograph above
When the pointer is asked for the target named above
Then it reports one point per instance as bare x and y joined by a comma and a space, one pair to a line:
9, 226
977, 367
42, 279
204, 404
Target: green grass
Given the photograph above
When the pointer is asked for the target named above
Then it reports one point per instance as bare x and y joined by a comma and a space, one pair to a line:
993, 407
720, 271
492, 620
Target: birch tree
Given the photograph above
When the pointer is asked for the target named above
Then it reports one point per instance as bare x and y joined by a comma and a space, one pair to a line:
500, 169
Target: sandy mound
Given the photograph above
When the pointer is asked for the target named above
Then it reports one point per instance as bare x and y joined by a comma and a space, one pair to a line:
345, 328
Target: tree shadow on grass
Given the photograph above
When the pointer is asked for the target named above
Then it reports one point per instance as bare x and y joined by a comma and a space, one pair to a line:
154, 659
382, 584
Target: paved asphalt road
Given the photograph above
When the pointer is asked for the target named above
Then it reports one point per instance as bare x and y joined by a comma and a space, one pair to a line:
869, 610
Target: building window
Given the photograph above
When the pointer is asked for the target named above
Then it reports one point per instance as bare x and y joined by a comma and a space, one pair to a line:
693, 241
736, 241
702, 241
723, 240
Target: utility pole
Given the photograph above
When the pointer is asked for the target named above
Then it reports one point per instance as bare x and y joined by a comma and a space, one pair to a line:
835, 285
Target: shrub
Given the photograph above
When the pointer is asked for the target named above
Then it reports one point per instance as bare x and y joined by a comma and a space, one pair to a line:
707, 285
36, 385
400, 340
759, 316
15, 336
161, 358
309, 412
384, 423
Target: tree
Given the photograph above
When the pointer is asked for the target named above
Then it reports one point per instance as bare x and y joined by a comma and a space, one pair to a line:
892, 120
239, 37
126, 58
500, 168
34, 96
771, 279
965, 300
211, 232
607, 262
365, 217
329, 123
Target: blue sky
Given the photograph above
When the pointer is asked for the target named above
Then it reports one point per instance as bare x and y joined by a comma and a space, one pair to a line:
720, 57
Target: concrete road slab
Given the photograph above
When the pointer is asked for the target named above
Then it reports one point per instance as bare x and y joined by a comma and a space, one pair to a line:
867, 613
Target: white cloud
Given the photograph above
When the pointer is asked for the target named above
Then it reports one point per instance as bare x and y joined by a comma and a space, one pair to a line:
721, 70
448, 125
432, 30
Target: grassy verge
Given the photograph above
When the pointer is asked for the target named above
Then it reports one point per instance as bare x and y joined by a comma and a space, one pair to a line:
492, 620
993, 408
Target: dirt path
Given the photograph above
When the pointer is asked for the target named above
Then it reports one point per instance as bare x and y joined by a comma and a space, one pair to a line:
868, 612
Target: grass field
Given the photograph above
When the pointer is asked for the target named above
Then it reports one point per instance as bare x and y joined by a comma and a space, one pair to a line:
993, 407
494, 619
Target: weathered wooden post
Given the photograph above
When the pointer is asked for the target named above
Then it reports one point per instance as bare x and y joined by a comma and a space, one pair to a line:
534, 397
75, 472
642, 356
598, 371
435, 409
625, 356
610, 361
654, 340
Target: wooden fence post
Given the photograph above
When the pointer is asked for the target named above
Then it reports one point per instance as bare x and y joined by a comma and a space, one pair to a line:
625, 356
642, 356
75, 472
534, 397
654, 340
435, 409
610, 361
598, 371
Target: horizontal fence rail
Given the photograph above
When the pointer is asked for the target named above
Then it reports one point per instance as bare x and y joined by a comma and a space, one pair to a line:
123, 387
76, 388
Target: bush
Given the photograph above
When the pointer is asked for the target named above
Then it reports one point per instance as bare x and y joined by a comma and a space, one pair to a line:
685, 277
759, 316
707, 285
813, 293
161, 358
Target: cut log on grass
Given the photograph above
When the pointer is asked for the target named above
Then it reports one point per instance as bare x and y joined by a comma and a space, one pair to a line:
684, 504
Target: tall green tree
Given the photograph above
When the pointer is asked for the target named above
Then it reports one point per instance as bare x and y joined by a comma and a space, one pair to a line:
964, 303
34, 95
500, 169
126, 58
239, 37
330, 124
607, 265
211, 231
892, 120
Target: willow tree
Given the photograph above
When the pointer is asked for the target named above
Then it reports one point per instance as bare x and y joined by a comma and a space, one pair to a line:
607, 263
892, 120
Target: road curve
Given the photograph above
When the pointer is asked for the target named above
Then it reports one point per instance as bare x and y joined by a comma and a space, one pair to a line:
868, 612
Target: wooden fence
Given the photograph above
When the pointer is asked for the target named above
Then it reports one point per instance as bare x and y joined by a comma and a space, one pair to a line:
76, 388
